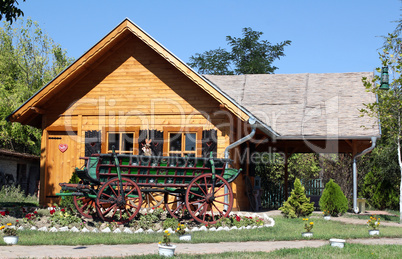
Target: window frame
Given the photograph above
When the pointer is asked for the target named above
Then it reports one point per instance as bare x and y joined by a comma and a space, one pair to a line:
182, 130
120, 131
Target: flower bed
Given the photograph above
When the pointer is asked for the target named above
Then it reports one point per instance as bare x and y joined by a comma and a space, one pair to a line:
55, 219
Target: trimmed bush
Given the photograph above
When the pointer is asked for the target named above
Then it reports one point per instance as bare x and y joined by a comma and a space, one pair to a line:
333, 200
297, 204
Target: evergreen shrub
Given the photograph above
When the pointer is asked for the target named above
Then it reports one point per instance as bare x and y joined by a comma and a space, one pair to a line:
333, 200
297, 204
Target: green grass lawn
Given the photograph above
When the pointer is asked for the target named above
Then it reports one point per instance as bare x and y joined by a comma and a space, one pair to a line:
394, 217
354, 251
284, 229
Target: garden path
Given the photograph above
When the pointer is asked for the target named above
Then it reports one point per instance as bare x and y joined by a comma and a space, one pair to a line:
141, 249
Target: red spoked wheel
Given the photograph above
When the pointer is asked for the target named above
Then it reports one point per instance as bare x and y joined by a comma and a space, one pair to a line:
152, 200
85, 206
176, 206
116, 204
206, 203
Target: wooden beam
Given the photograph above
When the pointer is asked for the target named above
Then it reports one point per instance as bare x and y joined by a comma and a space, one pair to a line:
38, 110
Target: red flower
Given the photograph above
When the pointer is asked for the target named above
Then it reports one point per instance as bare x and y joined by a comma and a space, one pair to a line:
16, 221
2, 213
237, 218
7, 212
62, 210
35, 212
52, 211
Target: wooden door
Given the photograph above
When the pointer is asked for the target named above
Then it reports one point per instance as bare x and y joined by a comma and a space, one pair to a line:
61, 158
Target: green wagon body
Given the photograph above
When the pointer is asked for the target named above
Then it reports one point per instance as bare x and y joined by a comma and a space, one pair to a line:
173, 176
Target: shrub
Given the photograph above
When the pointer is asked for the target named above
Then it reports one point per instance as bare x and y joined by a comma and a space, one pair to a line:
297, 204
381, 191
333, 200
170, 223
13, 194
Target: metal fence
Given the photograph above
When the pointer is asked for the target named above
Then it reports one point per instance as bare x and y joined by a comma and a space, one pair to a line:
273, 195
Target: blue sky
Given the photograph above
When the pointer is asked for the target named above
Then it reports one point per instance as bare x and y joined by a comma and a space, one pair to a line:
327, 36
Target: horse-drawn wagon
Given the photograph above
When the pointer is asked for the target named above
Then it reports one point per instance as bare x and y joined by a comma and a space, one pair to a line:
116, 186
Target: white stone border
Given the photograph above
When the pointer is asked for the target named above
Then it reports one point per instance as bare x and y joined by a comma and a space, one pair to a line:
129, 231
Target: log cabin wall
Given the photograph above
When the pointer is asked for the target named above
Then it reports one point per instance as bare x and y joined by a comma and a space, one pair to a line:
132, 88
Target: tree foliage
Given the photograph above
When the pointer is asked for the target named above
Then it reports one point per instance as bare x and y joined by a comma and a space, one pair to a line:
28, 60
248, 55
333, 200
297, 204
380, 175
303, 166
9, 10
388, 109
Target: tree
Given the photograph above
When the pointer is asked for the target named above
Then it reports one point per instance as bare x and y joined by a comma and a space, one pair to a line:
9, 10
388, 109
297, 204
379, 184
28, 60
248, 55
333, 200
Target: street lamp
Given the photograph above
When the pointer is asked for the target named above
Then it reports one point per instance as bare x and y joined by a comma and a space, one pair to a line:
384, 79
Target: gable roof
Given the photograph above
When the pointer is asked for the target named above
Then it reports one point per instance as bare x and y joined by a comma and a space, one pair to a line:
30, 112
300, 106
284, 106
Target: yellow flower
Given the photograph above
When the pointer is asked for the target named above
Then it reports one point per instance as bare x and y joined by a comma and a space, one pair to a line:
160, 242
2, 227
9, 224
166, 231
168, 234
311, 223
178, 229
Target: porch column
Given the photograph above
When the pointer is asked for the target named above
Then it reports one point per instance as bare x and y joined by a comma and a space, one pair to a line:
286, 175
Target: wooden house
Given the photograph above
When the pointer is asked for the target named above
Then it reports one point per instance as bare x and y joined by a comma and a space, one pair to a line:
128, 88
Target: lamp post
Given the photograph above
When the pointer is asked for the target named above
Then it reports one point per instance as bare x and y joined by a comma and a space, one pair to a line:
384, 79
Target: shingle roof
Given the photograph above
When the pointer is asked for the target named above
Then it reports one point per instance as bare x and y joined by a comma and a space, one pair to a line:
297, 105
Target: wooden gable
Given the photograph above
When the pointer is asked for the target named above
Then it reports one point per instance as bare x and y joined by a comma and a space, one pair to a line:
126, 46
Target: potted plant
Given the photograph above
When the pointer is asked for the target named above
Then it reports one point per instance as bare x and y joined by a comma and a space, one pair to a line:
165, 248
373, 224
181, 231
308, 226
10, 234
327, 215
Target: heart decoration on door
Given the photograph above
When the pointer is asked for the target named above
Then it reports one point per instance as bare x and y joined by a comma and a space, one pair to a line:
63, 147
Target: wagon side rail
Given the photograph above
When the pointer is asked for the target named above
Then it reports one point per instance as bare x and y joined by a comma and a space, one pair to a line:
153, 171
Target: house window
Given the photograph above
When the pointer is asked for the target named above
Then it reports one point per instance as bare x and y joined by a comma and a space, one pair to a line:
124, 141
183, 143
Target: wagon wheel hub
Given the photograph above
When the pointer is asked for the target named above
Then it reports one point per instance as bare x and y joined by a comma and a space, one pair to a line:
210, 197
120, 201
